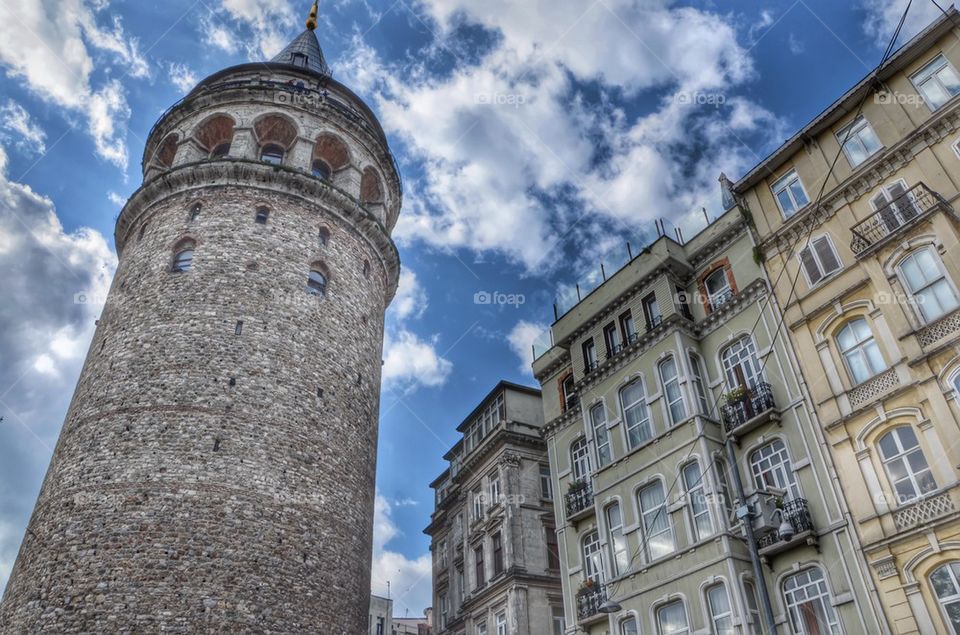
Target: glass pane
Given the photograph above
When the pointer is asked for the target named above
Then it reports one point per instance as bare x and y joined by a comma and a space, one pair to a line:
629, 627
785, 203
948, 78
858, 367
898, 469
873, 355
888, 445
945, 296
933, 93
846, 338
798, 194
870, 140
926, 481
942, 583
905, 491
651, 497
672, 618
917, 461
907, 437
718, 600
913, 274
855, 151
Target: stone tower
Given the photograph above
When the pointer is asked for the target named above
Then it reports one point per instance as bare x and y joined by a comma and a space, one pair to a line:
216, 467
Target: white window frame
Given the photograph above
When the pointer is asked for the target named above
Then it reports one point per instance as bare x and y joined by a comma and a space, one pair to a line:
698, 378
825, 596
855, 128
859, 348
601, 436
479, 508
780, 470
912, 476
494, 488
718, 616
622, 626
946, 600
546, 482
663, 387
933, 61
501, 622
695, 494
645, 422
734, 355
592, 557
580, 459
786, 180
718, 298
661, 510
944, 276
824, 274
686, 618
616, 540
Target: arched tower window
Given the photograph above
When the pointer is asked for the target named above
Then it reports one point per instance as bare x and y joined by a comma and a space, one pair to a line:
167, 151
371, 191
195, 211
272, 153
263, 214
183, 257
276, 135
321, 169
318, 279
324, 236
366, 268
330, 151
215, 135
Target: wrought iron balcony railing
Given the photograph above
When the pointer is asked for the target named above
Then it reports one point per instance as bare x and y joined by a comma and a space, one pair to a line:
901, 212
753, 403
797, 513
578, 499
719, 299
589, 600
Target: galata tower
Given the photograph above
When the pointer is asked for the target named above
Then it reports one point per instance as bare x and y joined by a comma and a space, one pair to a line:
215, 471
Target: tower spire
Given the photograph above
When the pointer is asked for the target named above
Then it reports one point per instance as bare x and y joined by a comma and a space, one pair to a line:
312, 18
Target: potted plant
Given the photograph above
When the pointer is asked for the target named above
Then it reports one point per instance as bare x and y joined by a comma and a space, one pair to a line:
577, 486
737, 394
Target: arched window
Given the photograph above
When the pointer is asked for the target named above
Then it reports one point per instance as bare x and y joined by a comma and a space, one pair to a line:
945, 581
672, 619
183, 258
740, 364
771, 468
569, 392
580, 459
601, 438
195, 211
220, 150
330, 150
371, 191
628, 626
699, 512
271, 153
366, 268
619, 557
636, 415
724, 506
670, 380
905, 464
809, 603
321, 169
143, 231
215, 135
925, 278
167, 151
317, 281
657, 529
860, 352
718, 288
699, 386
721, 615
592, 558
263, 214
324, 236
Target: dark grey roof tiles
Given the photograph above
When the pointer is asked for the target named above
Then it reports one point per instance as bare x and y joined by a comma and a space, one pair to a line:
304, 52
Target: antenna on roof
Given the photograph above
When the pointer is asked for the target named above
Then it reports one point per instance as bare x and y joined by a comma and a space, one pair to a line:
629, 250
679, 235
603, 272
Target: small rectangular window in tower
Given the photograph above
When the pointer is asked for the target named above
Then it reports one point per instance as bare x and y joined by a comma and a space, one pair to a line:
239, 328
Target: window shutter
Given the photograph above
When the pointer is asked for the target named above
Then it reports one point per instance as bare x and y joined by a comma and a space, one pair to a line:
811, 266
826, 255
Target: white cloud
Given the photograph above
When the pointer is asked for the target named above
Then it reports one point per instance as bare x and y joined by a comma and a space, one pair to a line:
182, 76
410, 579
410, 362
44, 333
884, 15
411, 299
521, 339
116, 199
263, 25
49, 48
795, 45
28, 136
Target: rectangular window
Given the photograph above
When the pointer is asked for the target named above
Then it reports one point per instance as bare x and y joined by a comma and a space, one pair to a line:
657, 529
442, 554
559, 624
628, 328
670, 379
672, 619
699, 388
651, 311
497, 554
502, 623
601, 436
861, 141
937, 82
546, 488
925, 278
629, 626
753, 607
553, 550
461, 585
477, 504
494, 489
443, 609
697, 501
482, 629
478, 567
819, 259
611, 336
616, 540
790, 195
589, 356
683, 300
721, 616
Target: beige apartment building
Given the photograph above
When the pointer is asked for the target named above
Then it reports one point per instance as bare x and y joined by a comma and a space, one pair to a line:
693, 485
874, 317
493, 539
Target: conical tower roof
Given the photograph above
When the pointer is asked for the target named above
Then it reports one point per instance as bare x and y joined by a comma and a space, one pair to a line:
304, 51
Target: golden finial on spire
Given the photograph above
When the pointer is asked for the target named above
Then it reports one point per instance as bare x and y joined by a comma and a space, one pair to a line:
312, 20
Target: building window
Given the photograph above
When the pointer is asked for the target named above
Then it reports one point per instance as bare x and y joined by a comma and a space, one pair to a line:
497, 554
721, 616
220, 150
546, 487
501, 623
809, 604
672, 619
651, 311
569, 392
478, 566
670, 380
262, 215
477, 504
628, 328
629, 626
860, 352
321, 169
461, 585
726, 502
790, 195
195, 211
317, 283
895, 205
683, 301
753, 606
323, 236
601, 437
861, 141
719, 291
699, 386
442, 554
553, 550
183, 260
945, 581
271, 153
580, 459
494, 487
611, 337
298, 59
559, 623
592, 558
443, 609
771, 468
657, 528
636, 415
366, 268
697, 507
589, 356
619, 558
482, 629
819, 259
740, 364
905, 464
925, 278
937, 82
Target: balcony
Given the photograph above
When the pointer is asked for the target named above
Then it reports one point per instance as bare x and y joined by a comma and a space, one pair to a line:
889, 220
747, 409
797, 513
579, 500
589, 599
717, 300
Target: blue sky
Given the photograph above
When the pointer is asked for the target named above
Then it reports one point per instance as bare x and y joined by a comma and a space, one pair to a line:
535, 138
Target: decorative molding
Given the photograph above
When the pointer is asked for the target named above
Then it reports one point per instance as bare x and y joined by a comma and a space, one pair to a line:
873, 388
923, 511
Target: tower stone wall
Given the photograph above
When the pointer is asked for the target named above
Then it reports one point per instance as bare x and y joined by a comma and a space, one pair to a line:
216, 467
